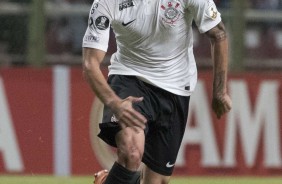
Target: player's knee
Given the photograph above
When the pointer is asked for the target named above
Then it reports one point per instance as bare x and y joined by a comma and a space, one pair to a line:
130, 160
130, 155
129, 152
135, 155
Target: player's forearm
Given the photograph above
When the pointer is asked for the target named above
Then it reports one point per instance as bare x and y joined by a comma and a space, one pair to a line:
219, 48
95, 77
220, 60
99, 85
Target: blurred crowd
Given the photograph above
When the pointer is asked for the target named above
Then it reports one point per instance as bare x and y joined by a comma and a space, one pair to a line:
261, 4
253, 4
64, 33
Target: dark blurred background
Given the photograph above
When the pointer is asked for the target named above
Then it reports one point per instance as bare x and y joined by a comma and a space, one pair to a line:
47, 32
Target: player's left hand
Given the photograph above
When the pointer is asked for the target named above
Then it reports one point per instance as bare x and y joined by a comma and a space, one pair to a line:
221, 104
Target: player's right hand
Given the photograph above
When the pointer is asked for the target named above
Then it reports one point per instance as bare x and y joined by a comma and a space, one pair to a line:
126, 115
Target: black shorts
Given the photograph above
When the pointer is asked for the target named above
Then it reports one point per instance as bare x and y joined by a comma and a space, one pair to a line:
166, 114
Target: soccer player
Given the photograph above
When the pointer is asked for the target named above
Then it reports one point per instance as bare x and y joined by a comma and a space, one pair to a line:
151, 77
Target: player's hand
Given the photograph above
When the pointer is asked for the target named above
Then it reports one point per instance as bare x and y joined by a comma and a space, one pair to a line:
221, 104
127, 116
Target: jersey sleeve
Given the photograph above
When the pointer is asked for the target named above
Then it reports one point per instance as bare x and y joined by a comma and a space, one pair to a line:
98, 30
205, 14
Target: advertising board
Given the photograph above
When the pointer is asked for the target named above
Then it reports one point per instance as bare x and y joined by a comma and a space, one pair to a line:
49, 121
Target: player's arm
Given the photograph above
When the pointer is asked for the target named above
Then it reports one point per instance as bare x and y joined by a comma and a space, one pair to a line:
122, 108
95, 45
92, 59
221, 102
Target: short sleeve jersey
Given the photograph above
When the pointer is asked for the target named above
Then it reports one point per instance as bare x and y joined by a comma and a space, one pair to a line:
154, 38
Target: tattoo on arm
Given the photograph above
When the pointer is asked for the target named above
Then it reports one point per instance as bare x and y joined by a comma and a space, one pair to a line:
219, 82
219, 50
217, 33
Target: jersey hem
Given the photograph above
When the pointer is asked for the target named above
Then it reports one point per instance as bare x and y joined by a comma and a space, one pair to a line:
176, 92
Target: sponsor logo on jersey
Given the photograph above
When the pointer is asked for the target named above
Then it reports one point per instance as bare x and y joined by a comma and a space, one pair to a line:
126, 4
171, 12
127, 23
102, 22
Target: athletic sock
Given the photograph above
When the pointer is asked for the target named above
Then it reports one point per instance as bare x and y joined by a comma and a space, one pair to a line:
120, 175
136, 178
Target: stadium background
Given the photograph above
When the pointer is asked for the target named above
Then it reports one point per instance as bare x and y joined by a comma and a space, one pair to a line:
48, 113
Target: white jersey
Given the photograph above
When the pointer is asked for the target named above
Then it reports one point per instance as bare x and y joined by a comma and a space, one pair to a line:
154, 38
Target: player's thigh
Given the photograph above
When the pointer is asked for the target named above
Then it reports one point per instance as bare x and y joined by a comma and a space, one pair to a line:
150, 177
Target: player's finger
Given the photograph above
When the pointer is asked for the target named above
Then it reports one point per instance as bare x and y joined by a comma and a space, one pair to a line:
137, 129
134, 118
227, 107
138, 116
223, 109
227, 102
219, 113
219, 110
137, 123
122, 124
135, 99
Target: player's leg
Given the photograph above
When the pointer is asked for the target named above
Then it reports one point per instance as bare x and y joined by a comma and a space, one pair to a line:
164, 137
129, 143
151, 177
130, 148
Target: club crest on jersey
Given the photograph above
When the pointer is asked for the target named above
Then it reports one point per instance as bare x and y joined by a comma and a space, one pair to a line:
171, 12
126, 4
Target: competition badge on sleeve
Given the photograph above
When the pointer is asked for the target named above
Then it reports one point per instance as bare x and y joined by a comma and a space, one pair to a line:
102, 23
212, 10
